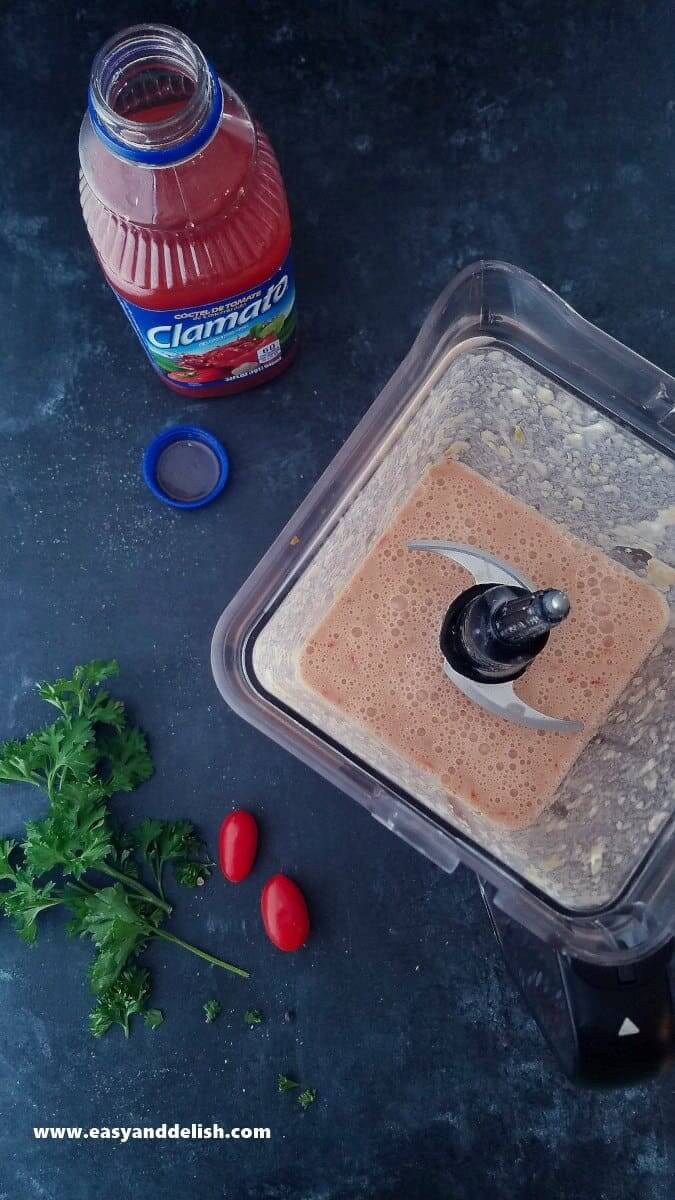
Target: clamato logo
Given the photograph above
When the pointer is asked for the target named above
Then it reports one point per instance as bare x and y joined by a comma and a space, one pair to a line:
170, 337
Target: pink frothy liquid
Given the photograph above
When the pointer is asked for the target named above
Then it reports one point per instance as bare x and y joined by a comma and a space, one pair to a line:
376, 655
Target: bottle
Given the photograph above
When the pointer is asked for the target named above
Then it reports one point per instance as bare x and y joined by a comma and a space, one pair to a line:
186, 209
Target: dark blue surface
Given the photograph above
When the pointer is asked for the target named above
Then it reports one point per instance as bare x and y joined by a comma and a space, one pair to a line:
414, 137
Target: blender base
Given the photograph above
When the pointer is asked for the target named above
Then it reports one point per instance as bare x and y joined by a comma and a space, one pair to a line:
607, 1026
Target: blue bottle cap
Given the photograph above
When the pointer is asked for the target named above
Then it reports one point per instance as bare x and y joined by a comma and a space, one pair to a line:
186, 467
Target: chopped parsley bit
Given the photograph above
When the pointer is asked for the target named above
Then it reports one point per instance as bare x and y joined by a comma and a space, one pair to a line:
153, 1018
284, 1084
119, 1001
253, 1016
211, 1010
192, 874
307, 1097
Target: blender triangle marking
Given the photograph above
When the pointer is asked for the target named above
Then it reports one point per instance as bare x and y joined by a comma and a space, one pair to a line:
628, 1027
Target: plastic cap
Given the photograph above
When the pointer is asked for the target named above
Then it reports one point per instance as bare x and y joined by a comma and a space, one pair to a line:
186, 467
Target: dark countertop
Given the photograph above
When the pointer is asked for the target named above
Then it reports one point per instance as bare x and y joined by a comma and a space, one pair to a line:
414, 138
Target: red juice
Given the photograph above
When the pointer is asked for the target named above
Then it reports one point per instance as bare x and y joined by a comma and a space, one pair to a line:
186, 209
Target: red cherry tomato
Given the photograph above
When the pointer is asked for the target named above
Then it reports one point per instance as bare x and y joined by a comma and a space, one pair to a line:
237, 845
284, 913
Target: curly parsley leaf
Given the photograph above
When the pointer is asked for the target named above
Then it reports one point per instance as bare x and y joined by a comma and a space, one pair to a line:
20, 761
285, 1084
211, 1010
7, 848
122, 852
118, 923
74, 835
95, 672
161, 842
253, 1016
117, 1003
146, 836
70, 750
24, 902
46, 757
125, 759
306, 1098
76, 697
193, 873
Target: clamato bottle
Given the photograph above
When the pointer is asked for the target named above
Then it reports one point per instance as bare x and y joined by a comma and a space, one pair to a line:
186, 209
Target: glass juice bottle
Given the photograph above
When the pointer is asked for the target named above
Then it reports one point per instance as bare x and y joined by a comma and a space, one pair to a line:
186, 209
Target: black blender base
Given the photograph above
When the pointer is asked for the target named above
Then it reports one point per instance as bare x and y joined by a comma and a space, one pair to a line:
607, 1026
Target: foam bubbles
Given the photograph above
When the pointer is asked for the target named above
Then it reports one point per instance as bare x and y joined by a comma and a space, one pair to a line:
376, 654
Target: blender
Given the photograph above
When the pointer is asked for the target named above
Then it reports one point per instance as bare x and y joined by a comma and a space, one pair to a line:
508, 380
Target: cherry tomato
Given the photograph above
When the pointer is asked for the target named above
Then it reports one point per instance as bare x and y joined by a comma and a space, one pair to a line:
284, 913
237, 845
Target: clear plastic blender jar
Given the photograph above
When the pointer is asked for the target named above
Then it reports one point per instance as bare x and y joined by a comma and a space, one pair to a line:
507, 378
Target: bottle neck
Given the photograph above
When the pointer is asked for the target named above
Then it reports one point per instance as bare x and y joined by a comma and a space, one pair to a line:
153, 97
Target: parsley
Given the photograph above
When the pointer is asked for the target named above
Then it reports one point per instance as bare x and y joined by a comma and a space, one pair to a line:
161, 842
253, 1016
306, 1097
74, 835
119, 924
126, 759
153, 1018
193, 874
125, 997
122, 846
24, 903
211, 1010
83, 758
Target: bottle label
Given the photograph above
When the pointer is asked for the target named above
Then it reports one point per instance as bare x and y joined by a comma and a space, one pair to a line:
224, 341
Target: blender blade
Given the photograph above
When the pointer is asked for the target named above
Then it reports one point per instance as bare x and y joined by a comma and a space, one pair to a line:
499, 699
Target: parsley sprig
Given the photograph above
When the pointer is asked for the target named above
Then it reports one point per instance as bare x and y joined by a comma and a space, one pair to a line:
81, 760
161, 842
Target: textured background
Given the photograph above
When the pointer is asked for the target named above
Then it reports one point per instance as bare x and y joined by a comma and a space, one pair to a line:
414, 138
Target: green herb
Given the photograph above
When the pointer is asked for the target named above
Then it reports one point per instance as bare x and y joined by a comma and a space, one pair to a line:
306, 1097
253, 1016
122, 853
153, 1018
211, 1010
83, 758
74, 835
118, 923
161, 842
26, 899
125, 997
193, 874
126, 761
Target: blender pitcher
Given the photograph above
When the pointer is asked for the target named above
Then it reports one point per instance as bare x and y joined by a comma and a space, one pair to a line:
508, 381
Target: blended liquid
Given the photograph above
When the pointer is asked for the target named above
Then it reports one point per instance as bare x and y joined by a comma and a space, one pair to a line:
376, 654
